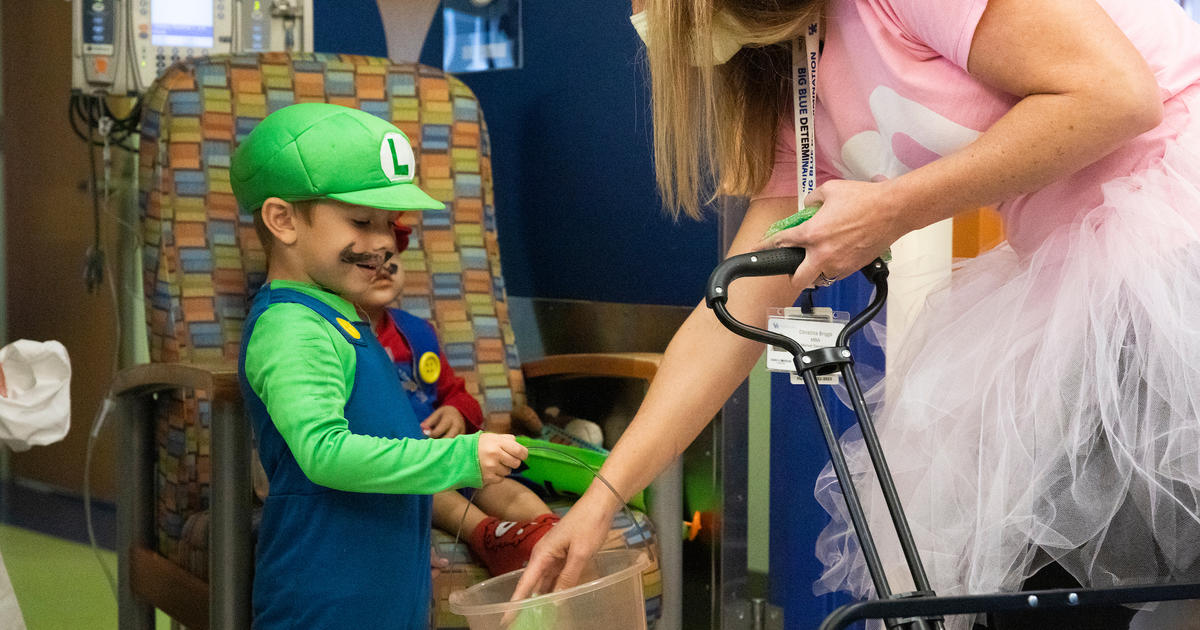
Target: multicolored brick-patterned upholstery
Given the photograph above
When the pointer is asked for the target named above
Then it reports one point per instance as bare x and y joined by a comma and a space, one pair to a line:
202, 261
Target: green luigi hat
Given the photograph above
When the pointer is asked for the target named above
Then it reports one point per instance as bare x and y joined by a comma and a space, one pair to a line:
323, 151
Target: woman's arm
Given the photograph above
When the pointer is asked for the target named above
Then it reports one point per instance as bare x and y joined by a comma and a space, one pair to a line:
1085, 90
702, 366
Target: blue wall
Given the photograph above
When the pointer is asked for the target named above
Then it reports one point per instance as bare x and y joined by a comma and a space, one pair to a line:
578, 214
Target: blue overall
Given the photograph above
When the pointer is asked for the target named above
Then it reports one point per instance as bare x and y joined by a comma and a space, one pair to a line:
331, 559
421, 339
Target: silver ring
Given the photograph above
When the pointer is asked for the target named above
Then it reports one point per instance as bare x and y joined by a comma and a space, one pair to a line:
824, 280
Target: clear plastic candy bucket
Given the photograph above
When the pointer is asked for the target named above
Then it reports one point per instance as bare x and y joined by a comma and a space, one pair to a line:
609, 597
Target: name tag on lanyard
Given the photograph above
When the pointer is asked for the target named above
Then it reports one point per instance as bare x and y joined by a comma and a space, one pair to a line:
820, 328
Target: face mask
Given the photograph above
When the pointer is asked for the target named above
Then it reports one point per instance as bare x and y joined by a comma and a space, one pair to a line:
725, 41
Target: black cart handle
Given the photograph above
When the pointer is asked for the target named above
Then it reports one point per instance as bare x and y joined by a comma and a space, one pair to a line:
777, 262
769, 262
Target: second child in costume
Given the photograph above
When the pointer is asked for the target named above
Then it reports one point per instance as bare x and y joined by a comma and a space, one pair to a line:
506, 519
344, 540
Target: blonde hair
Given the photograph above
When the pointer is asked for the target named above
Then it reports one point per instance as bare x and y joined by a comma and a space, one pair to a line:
715, 127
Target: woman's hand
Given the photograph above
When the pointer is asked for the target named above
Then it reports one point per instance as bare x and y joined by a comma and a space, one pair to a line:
856, 223
558, 559
445, 422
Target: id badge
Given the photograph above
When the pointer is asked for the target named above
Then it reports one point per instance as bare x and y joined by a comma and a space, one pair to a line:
817, 328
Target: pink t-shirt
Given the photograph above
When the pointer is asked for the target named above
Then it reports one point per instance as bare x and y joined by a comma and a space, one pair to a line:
893, 95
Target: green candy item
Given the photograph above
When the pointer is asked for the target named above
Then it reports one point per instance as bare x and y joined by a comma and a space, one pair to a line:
535, 618
801, 216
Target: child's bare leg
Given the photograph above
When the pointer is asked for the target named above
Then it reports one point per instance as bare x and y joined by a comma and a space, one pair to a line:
448, 508
508, 500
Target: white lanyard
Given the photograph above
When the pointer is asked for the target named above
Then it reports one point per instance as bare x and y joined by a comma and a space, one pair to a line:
804, 107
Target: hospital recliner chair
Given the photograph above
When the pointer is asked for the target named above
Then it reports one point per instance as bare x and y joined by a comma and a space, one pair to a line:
185, 446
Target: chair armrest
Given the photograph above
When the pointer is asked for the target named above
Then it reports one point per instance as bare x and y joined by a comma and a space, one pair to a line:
640, 365
230, 555
219, 379
176, 592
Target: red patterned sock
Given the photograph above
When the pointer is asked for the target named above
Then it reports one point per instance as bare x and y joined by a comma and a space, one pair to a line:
505, 546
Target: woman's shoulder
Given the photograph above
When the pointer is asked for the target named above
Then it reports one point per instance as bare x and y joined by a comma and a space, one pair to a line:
924, 27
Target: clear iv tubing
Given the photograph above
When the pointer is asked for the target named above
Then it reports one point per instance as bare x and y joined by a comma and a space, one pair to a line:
596, 474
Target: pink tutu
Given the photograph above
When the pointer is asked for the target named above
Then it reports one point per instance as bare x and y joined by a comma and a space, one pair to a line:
1047, 406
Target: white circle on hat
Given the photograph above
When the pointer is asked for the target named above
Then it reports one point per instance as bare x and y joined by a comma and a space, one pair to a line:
396, 158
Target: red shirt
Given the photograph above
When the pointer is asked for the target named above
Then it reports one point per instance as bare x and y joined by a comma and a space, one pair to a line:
451, 389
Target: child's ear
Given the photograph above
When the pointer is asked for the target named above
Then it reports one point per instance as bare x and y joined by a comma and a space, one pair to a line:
280, 218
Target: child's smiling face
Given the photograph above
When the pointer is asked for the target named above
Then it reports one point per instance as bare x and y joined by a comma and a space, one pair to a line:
351, 250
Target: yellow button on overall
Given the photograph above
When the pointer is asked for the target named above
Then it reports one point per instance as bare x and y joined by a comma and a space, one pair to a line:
349, 328
430, 367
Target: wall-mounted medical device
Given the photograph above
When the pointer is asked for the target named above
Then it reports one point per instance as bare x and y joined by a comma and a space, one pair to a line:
120, 46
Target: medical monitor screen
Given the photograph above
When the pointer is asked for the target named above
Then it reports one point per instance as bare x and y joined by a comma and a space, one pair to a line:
181, 24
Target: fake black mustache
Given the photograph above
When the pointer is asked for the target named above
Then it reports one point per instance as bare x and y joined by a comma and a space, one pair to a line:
375, 259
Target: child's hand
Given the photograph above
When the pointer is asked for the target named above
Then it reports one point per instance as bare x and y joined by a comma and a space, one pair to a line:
499, 454
445, 421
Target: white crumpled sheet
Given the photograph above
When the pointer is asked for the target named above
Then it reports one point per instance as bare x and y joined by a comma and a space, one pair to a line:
37, 408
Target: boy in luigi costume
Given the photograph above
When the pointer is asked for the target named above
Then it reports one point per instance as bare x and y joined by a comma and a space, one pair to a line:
344, 539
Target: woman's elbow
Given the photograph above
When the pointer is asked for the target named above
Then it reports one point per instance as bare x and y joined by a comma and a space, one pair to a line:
1139, 103
1144, 113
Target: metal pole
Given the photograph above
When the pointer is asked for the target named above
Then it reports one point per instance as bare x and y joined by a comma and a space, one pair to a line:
853, 504
230, 556
886, 483
666, 511
135, 505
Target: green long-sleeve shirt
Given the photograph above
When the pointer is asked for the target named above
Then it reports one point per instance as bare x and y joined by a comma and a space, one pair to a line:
304, 371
